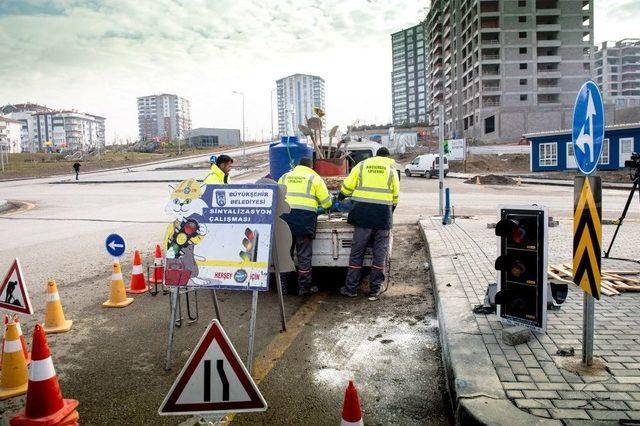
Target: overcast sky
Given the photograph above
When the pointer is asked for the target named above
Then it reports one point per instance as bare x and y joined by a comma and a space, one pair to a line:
98, 56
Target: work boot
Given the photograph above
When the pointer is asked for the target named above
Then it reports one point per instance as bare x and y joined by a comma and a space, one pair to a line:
345, 292
374, 295
307, 290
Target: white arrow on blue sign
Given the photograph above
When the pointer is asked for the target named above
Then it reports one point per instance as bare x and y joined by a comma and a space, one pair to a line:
115, 245
588, 127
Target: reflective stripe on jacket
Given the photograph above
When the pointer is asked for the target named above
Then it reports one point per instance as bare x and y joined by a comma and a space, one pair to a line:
216, 176
305, 189
373, 180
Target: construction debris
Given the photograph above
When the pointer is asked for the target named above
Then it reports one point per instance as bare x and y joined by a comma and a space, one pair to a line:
613, 282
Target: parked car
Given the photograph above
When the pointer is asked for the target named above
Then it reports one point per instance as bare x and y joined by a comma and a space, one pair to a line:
426, 165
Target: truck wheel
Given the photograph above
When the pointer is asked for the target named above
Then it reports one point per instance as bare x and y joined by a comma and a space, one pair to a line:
407, 172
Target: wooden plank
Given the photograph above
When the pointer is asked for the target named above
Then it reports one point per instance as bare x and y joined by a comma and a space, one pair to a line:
559, 278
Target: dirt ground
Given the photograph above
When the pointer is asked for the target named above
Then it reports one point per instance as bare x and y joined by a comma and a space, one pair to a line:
491, 180
484, 163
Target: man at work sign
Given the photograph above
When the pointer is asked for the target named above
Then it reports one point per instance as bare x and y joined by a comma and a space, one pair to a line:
220, 236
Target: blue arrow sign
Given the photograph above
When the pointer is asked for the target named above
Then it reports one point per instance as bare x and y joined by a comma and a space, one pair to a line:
115, 245
588, 127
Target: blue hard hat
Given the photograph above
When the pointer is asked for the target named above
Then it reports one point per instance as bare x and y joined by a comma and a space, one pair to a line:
213, 159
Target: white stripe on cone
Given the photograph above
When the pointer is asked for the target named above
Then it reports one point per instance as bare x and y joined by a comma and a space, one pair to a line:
137, 269
52, 297
41, 369
18, 327
346, 423
157, 261
116, 277
11, 346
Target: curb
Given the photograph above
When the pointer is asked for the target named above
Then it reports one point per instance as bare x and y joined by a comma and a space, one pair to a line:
550, 182
476, 393
5, 206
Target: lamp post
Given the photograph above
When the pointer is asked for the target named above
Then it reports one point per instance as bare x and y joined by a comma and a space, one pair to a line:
243, 129
272, 135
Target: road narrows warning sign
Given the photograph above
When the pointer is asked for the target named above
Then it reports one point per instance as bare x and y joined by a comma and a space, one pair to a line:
13, 291
587, 234
213, 381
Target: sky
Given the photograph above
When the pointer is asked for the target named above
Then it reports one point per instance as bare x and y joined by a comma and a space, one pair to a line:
99, 56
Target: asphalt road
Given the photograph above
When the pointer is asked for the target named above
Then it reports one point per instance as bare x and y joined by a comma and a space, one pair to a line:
112, 360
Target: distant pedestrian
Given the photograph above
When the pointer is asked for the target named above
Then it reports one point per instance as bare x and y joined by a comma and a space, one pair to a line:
76, 168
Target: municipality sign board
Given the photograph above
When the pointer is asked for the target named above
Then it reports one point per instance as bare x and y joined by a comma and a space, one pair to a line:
221, 235
588, 127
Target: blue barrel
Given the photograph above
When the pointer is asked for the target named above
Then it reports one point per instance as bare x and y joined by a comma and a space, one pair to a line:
284, 155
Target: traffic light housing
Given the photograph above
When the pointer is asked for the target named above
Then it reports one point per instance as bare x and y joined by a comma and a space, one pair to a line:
522, 265
250, 244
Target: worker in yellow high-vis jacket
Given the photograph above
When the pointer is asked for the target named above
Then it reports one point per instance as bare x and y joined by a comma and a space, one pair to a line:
373, 186
306, 194
220, 169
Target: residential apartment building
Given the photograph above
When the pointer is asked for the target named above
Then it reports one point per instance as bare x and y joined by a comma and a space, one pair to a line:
10, 135
46, 128
502, 68
298, 94
617, 72
163, 117
408, 83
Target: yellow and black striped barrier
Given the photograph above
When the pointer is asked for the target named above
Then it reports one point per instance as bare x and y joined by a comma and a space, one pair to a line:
587, 234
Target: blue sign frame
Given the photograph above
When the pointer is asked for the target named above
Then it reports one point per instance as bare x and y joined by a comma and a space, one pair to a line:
115, 245
588, 127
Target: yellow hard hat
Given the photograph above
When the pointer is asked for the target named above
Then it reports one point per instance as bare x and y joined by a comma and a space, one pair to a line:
188, 188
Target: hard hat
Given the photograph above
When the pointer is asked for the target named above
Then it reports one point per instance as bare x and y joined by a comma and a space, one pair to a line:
213, 159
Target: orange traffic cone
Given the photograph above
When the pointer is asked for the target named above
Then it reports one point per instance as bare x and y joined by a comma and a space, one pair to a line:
54, 320
23, 341
351, 413
117, 296
44, 405
138, 283
158, 268
14, 375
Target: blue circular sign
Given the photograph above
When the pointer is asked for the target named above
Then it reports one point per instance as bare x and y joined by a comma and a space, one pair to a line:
115, 245
588, 127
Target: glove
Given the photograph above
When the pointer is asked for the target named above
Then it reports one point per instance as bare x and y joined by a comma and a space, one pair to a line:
336, 206
320, 210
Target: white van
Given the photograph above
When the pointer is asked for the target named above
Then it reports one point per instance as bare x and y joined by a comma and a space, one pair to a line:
426, 165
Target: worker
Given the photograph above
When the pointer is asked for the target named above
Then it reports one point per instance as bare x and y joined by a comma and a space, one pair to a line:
306, 194
220, 168
76, 168
373, 186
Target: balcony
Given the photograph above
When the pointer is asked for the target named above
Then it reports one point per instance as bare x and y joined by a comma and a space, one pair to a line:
493, 101
548, 27
549, 59
549, 43
492, 57
490, 42
547, 99
492, 87
548, 12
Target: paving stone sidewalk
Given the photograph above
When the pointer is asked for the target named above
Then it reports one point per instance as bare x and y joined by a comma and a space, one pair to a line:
532, 375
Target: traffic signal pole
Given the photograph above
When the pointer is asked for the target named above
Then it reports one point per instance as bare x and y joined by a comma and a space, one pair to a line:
441, 160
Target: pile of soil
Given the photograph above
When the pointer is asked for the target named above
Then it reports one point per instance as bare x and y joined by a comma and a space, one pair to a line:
483, 163
491, 180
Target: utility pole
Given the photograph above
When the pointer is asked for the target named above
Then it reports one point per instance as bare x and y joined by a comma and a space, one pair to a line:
272, 135
441, 160
243, 128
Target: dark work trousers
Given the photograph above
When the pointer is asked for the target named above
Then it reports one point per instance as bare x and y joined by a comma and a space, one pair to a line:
361, 238
303, 246
77, 171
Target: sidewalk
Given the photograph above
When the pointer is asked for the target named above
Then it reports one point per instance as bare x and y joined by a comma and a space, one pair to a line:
532, 378
532, 179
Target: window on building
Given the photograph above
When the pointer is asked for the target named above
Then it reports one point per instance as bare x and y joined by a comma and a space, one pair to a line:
522, 3
548, 154
604, 157
523, 97
522, 19
523, 66
523, 50
523, 82
522, 34
490, 124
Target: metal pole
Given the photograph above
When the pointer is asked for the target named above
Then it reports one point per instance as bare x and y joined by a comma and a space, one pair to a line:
441, 161
252, 329
272, 135
172, 323
276, 268
215, 305
587, 330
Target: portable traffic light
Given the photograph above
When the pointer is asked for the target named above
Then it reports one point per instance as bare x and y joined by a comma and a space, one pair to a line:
522, 265
250, 244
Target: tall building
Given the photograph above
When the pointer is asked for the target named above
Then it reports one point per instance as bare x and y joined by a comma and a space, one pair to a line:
163, 117
408, 84
298, 94
43, 127
10, 135
617, 71
502, 68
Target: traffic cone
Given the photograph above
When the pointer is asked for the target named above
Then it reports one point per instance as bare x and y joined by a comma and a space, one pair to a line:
351, 413
117, 297
45, 405
23, 341
54, 321
478, 180
14, 377
158, 268
138, 283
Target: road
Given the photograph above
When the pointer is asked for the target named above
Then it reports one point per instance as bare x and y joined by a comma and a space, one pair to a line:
112, 359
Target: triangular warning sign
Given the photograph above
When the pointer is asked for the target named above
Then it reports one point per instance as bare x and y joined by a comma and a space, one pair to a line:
13, 291
213, 381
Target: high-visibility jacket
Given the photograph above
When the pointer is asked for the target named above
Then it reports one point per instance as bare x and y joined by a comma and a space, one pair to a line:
216, 176
305, 189
373, 180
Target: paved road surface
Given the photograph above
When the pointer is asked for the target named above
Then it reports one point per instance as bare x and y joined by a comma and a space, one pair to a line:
112, 359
